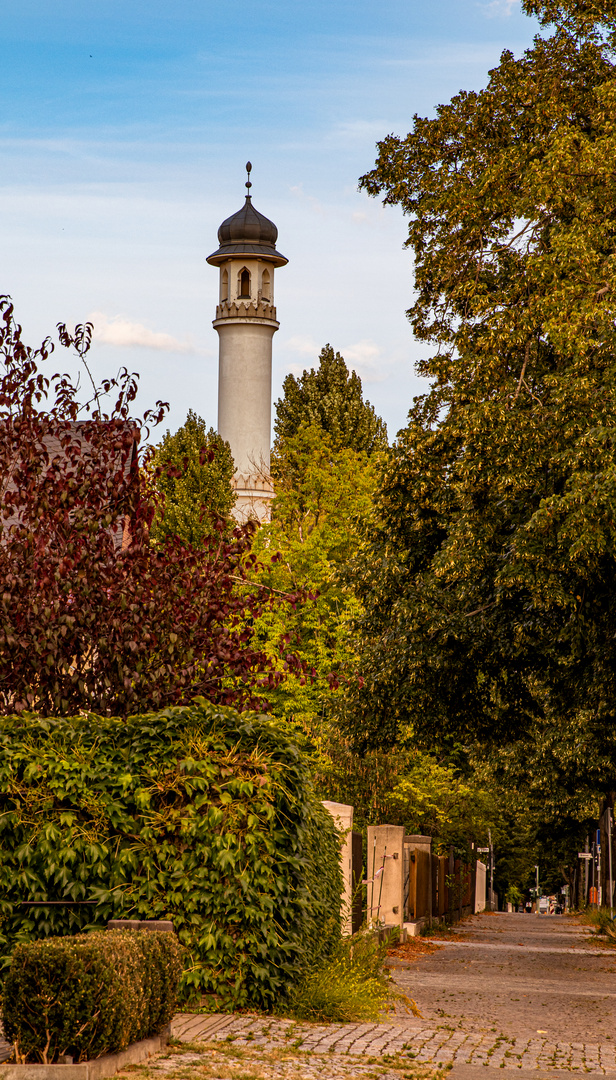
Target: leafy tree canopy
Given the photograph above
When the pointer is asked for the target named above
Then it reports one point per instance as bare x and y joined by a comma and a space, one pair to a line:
412, 788
489, 586
587, 17
320, 514
547, 787
194, 471
331, 398
323, 497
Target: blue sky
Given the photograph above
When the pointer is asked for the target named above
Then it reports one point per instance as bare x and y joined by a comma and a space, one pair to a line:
124, 130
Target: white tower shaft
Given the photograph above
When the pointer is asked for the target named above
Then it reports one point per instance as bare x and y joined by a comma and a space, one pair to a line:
245, 392
245, 403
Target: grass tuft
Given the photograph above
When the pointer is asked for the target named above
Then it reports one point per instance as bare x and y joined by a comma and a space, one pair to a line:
350, 987
602, 921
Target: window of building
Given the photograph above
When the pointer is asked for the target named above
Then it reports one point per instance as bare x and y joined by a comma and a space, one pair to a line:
265, 286
244, 284
224, 286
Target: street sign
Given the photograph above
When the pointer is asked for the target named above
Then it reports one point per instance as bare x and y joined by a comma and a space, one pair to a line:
584, 855
483, 850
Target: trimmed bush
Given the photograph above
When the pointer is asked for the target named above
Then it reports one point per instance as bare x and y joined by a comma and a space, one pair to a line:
91, 994
197, 814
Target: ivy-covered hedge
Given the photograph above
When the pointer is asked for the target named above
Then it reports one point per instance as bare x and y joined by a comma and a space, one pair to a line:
90, 994
198, 814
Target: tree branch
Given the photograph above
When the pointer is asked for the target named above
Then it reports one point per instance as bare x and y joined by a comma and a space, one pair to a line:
260, 585
523, 371
478, 610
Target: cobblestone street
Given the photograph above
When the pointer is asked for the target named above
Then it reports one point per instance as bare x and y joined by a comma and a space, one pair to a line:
514, 992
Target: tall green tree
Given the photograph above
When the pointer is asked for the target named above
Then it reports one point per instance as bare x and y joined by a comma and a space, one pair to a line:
330, 397
489, 588
320, 513
323, 497
194, 468
324, 466
548, 788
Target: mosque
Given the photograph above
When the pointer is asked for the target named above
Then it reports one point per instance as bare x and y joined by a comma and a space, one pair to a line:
246, 323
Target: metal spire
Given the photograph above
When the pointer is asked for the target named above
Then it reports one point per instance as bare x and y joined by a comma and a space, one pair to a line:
248, 184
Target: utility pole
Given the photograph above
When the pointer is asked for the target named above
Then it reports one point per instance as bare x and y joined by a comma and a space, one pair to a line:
586, 868
491, 869
537, 890
610, 862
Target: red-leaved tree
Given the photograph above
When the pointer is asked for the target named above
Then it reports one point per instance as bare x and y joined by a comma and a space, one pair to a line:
93, 616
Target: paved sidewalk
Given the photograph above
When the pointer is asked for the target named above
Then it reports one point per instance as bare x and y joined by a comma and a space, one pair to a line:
530, 993
527, 977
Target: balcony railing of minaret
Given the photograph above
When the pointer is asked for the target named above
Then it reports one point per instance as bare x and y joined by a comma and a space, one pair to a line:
254, 309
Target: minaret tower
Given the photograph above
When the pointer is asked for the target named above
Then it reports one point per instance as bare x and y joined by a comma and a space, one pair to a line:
246, 323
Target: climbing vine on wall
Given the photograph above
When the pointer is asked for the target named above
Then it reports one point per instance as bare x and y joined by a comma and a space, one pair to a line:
196, 814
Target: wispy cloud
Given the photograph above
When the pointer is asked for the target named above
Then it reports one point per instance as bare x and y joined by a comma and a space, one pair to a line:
358, 132
496, 8
366, 358
305, 345
297, 190
121, 332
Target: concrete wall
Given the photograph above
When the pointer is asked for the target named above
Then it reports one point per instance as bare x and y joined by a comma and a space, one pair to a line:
385, 875
343, 818
480, 887
423, 882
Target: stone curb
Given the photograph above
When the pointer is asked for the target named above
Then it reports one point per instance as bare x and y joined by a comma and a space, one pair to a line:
96, 1069
200, 1025
480, 1072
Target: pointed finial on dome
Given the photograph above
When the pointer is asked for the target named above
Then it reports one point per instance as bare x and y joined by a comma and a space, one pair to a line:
248, 184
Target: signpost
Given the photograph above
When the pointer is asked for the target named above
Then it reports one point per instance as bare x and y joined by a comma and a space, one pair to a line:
609, 850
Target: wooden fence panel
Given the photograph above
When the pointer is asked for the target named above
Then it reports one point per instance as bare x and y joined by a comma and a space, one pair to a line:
443, 891
422, 883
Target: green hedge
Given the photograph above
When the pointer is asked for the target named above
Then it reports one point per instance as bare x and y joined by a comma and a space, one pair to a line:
90, 994
199, 814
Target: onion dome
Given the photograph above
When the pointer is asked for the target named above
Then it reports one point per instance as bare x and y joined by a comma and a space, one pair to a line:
247, 233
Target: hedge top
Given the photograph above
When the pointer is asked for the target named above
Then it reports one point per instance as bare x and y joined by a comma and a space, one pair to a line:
90, 994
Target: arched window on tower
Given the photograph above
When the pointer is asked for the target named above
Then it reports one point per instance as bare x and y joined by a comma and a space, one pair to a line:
266, 286
244, 284
224, 286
